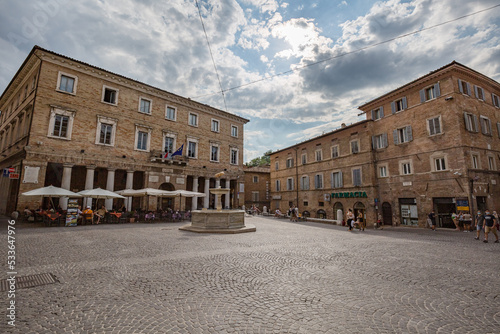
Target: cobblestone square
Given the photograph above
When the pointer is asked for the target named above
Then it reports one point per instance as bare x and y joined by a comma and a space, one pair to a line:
284, 278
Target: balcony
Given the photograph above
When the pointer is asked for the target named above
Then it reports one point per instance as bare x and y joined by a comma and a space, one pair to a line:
157, 156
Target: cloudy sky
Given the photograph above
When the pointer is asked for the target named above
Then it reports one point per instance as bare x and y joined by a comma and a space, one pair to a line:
296, 69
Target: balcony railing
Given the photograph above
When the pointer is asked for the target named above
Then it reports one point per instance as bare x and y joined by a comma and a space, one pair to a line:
158, 156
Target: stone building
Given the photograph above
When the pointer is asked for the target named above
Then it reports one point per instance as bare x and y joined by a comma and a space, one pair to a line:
432, 144
74, 125
257, 187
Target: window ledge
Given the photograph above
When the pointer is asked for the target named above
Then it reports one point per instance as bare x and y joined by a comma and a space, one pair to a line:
62, 138
110, 104
65, 92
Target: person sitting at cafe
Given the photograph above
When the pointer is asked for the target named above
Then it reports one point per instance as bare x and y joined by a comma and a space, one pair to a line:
27, 212
88, 211
101, 213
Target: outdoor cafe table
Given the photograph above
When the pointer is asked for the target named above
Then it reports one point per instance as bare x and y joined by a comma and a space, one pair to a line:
117, 215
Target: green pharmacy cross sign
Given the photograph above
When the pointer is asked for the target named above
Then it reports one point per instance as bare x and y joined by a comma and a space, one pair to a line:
355, 194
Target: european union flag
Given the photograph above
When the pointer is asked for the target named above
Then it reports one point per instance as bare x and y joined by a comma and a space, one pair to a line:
178, 152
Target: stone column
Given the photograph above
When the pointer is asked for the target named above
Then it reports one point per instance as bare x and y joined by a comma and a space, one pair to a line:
129, 185
194, 200
217, 185
110, 185
89, 184
228, 195
206, 199
65, 184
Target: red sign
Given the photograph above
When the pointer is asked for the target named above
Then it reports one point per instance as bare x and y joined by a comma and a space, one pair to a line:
12, 170
13, 175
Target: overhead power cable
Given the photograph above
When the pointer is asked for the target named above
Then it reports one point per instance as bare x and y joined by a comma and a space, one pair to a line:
299, 67
212, 56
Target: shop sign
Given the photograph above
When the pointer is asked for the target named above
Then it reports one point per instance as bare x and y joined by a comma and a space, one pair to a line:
355, 194
462, 205
13, 175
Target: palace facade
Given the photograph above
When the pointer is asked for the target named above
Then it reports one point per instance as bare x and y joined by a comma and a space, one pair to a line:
76, 126
432, 144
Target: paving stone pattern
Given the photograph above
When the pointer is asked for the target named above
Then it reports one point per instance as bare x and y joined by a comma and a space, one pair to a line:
284, 278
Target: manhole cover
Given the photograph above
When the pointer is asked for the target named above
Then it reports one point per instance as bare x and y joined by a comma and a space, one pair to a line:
23, 282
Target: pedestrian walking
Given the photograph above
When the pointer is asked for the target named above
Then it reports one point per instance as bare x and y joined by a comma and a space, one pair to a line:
479, 224
489, 225
432, 220
350, 219
361, 221
467, 221
454, 217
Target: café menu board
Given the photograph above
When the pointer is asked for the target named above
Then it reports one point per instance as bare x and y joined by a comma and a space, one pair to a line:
72, 212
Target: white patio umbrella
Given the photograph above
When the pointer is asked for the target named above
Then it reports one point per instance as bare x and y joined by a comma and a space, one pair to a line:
187, 193
99, 193
147, 192
51, 191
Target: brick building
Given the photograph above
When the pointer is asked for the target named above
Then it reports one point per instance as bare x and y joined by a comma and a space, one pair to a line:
77, 126
257, 187
433, 143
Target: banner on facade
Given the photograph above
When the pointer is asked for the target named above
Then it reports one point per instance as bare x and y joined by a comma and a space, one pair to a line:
462, 205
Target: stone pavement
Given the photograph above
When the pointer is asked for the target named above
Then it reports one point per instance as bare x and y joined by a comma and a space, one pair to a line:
284, 278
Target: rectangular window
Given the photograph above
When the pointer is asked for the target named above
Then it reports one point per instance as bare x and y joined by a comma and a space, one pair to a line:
440, 164
479, 93
145, 106
406, 168
60, 126
110, 95
399, 105
471, 123
318, 181
379, 141
168, 145
337, 181
193, 119
106, 134
356, 177
276, 165
192, 149
354, 146
434, 125
278, 185
234, 156
475, 161
304, 182
289, 184
403, 135
66, 84
495, 100
255, 179
464, 87
215, 125
335, 151
142, 141
289, 163
485, 126
170, 113
234, 131
255, 196
304, 158
214, 153
377, 113
319, 155
491, 163
430, 93
382, 171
